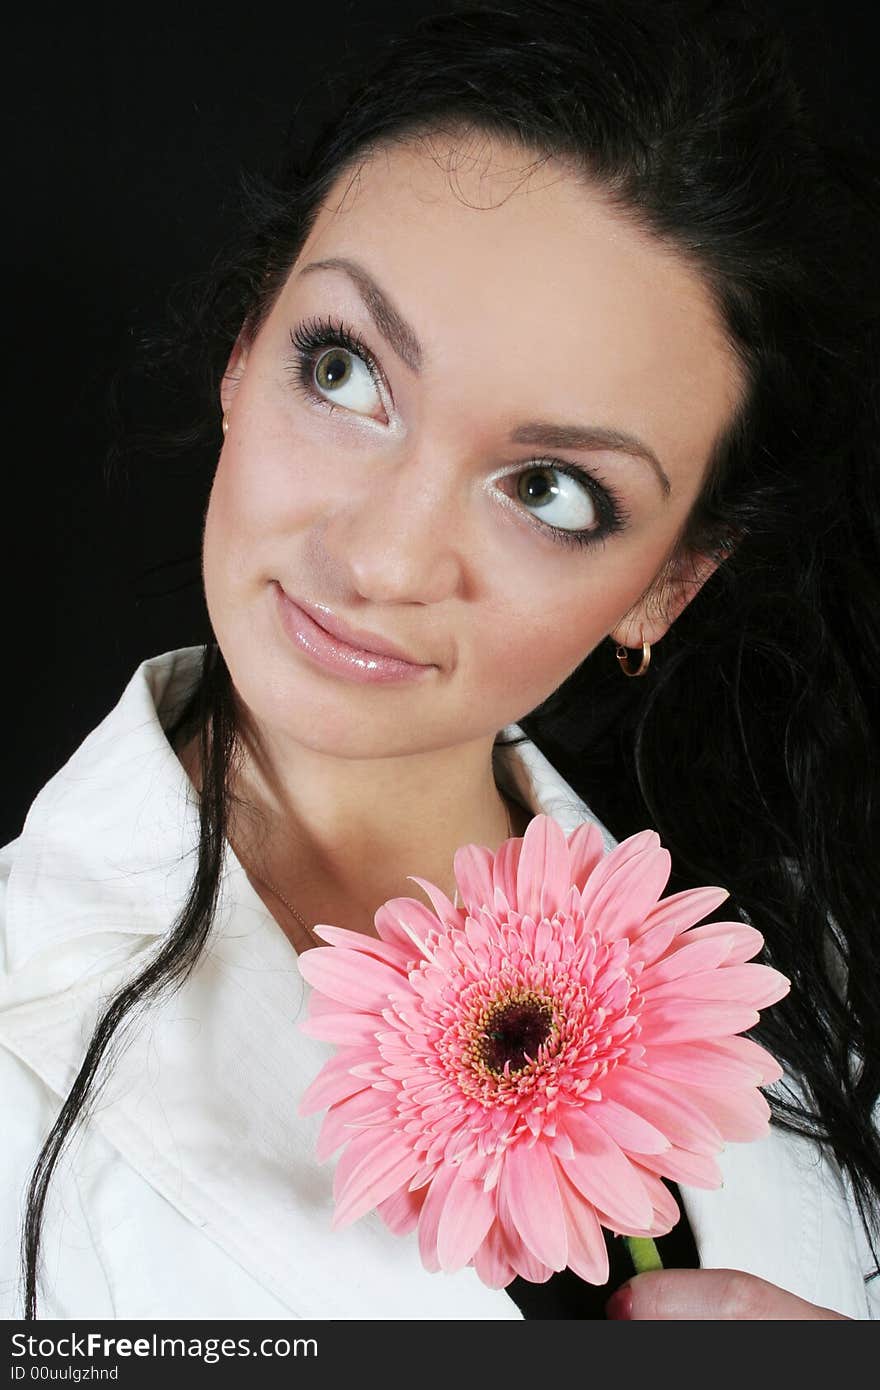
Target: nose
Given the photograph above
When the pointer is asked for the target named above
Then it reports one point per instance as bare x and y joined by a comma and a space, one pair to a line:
398, 535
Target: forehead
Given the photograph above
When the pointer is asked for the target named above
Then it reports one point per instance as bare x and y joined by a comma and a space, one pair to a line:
512, 265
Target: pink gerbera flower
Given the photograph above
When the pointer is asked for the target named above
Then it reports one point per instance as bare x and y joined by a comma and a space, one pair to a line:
514, 1074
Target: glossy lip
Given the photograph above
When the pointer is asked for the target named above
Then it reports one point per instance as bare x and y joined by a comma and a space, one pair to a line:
354, 637
336, 646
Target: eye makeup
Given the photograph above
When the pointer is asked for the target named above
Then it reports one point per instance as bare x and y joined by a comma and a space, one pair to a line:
314, 336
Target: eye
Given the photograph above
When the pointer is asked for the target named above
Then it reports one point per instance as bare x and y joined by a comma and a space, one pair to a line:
335, 368
572, 505
346, 379
560, 499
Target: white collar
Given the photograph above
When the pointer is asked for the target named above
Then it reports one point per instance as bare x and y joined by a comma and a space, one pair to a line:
104, 863
108, 843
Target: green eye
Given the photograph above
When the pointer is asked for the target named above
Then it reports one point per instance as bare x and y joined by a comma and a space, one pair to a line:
333, 369
561, 499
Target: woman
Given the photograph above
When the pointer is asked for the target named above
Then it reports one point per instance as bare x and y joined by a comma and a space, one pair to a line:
561, 343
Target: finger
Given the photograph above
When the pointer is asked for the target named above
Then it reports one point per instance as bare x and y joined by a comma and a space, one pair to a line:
710, 1294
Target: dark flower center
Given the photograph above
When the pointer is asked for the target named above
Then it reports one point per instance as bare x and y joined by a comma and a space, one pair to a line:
513, 1030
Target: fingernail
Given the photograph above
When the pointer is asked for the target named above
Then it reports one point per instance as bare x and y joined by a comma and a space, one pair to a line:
620, 1304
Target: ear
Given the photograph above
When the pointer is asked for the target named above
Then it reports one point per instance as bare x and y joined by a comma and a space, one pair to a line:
654, 613
235, 368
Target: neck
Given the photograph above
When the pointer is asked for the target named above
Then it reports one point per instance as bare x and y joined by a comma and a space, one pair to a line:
338, 837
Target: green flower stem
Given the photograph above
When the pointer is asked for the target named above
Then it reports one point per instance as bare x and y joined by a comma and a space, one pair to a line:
643, 1252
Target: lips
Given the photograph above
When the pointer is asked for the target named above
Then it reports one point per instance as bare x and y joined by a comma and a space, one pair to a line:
358, 638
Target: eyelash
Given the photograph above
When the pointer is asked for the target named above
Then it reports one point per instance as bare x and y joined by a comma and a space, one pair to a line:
312, 337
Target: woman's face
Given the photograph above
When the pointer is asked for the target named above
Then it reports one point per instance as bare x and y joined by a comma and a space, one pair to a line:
433, 490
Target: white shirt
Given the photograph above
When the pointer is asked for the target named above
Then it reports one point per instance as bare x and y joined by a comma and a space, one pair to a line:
193, 1191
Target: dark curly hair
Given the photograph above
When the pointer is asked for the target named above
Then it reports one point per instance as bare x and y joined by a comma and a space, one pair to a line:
686, 113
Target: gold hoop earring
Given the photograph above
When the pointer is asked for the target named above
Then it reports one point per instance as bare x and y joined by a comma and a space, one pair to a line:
622, 655
226, 422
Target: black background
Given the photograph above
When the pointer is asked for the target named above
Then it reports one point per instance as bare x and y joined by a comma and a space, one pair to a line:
124, 137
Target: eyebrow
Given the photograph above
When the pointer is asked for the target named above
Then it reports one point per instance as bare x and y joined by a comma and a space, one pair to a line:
389, 322
402, 338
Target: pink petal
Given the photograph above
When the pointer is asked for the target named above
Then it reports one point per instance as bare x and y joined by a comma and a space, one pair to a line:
543, 877
667, 1022
350, 939
474, 1166
745, 941
688, 959
491, 1262
349, 976
694, 1170
400, 1211
390, 930
505, 868
450, 916
525, 1263
756, 985
587, 1251
527, 1266
415, 921
663, 1105
432, 1211
703, 1063
528, 1183
602, 1173
336, 1130
750, 1052
467, 1214
379, 1167
666, 1211
617, 901
479, 932
645, 842
560, 1144
683, 909
649, 946
391, 954
631, 1131
652, 1231
472, 865
318, 1004
423, 1176
500, 904
585, 850
372, 1071
740, 1115
427, 1090
548, 941
333, 1083
343, 1028
776, 985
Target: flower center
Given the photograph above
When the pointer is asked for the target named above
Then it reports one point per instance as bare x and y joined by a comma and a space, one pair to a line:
513, 1032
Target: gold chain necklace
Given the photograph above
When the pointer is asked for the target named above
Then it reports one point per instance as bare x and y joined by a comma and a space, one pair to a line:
290, 907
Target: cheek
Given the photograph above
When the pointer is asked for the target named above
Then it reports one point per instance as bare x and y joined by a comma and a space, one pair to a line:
227, 530
263, 492
549, 621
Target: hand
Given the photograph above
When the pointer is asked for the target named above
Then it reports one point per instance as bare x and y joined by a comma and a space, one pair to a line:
709, 1294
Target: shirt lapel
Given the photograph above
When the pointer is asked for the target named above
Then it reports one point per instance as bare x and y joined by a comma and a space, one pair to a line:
107, 843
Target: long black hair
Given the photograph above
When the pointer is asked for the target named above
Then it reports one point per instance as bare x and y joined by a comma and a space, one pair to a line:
752, 743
